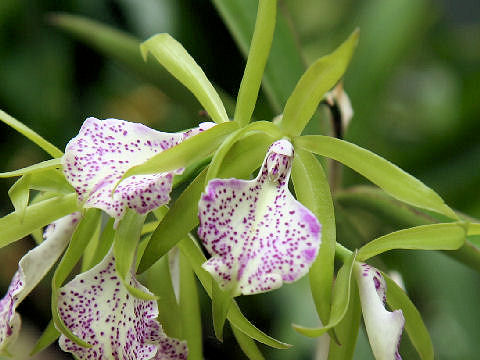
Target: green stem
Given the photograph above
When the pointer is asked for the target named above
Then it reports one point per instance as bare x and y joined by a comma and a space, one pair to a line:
257, 59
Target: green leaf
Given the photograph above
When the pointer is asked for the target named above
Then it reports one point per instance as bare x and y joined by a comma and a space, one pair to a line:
190, 310
320, 77
168, 310
313, 191
30, 134
49, 335
221, 301
257, 59
193, 253
41, 166
36, 216
173, 56
242, 159
263, 126
286, 64
449, 236
248, 346
187, 152
416, 329
82, 235
340, 301
347, 330
381, 172
125, 243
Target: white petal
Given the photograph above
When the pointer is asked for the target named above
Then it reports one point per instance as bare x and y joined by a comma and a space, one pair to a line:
98, 308
101, 154
31, 269
259, 236
384, 328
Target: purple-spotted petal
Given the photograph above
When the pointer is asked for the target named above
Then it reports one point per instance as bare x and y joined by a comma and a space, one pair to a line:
259, 236
384, 328
98, 309
31, 269
101, 154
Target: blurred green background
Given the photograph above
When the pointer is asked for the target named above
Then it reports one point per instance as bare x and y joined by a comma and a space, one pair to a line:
414, 83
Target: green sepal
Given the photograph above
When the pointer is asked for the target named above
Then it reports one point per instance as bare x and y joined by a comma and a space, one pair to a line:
347, 329
125, 243
158, 280
48, 337
173, 56
381, 172
416, 329
313, 191
221, 302
340, 301
80, 238
193, 253
187, 152
31, 135
41, 166
13, 228
320, 77
190, 310
239, 17
247, 344
448, 236
257, 59
245, 156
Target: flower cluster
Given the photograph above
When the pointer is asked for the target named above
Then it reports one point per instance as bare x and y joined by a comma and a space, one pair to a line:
257, 233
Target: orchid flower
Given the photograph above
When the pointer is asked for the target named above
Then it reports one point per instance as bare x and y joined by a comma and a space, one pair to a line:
98, 309
31, 269
104, 150
259, 236
384, 328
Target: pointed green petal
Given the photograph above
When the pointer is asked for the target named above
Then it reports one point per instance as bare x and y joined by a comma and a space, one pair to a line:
320, 77
257, 59
381, 172
173, 56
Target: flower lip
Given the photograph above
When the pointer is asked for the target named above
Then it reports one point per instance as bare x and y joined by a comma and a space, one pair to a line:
384, 328
98, 308
104, 150
259, 236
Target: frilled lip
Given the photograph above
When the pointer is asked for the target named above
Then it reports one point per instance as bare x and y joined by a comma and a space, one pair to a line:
259, 236
97, 308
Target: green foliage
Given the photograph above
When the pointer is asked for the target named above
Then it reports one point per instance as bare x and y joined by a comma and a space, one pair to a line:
320, 77
173, 56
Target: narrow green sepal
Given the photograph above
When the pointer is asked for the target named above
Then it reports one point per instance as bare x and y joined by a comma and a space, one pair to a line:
173, 56
320, 77
340, 301
448, 236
